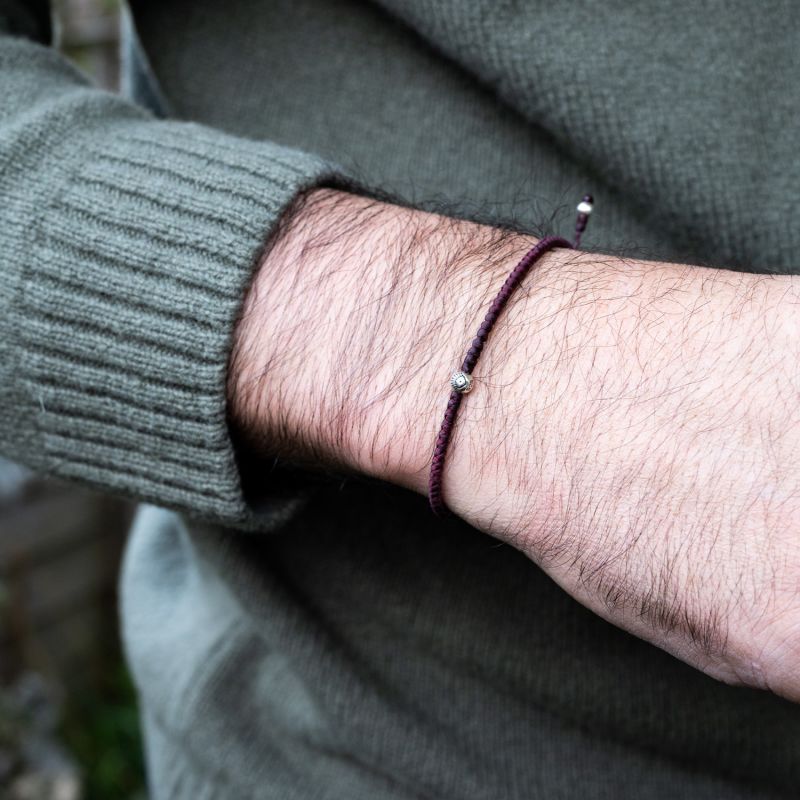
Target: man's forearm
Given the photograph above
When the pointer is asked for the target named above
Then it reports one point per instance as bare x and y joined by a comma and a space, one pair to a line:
352, 327
633, 426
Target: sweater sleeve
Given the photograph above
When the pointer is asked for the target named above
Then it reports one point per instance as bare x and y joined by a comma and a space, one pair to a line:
126, 246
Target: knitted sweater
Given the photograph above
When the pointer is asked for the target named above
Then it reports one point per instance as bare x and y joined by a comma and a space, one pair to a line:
334, 640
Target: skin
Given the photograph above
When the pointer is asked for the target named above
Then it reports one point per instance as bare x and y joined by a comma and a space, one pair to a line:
634, 427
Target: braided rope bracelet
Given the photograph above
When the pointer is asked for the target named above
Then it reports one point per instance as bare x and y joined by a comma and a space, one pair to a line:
461, 380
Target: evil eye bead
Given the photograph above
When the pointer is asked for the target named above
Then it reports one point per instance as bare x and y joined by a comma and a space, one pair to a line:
461, 382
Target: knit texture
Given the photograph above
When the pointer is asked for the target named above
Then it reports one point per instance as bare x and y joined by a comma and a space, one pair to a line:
128, 245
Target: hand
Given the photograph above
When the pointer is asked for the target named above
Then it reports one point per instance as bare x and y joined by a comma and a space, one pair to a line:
632, 427
641, 443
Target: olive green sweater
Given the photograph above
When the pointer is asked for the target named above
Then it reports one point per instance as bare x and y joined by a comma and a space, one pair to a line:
329, 639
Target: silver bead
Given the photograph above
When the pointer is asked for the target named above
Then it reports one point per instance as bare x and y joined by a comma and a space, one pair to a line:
461, 382
585, 208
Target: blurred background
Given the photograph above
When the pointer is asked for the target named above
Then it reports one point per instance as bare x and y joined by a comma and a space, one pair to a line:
68, 721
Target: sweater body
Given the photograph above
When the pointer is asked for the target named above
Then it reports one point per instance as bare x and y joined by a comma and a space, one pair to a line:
361, 648
297, 637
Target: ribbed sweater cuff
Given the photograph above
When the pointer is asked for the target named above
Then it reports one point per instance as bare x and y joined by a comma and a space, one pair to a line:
139, 266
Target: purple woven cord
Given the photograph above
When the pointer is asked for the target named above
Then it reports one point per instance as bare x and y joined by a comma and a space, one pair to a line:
517, 275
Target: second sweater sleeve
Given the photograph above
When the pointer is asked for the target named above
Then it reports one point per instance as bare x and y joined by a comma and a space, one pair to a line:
126, 248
